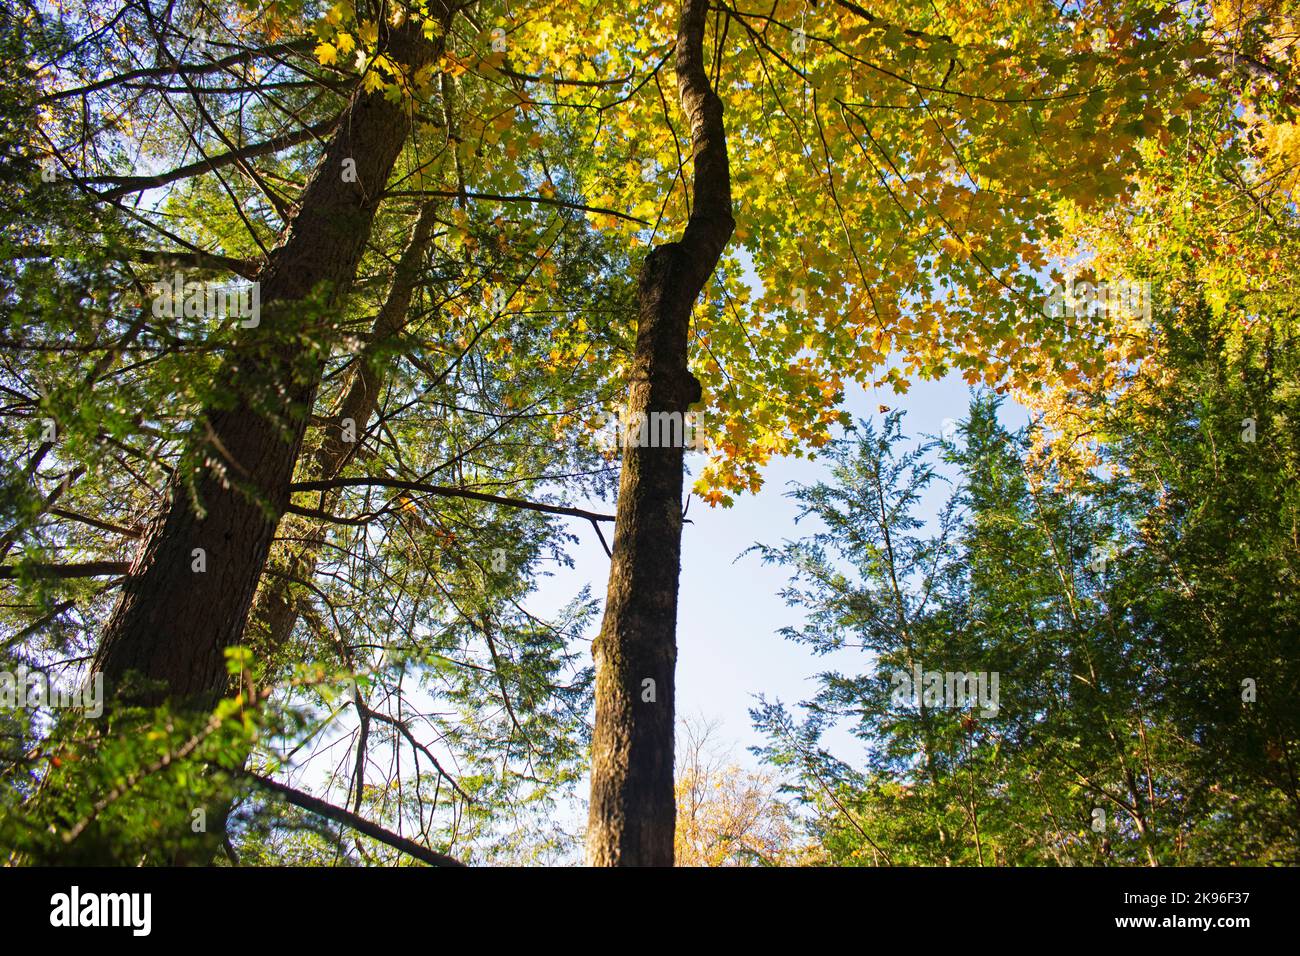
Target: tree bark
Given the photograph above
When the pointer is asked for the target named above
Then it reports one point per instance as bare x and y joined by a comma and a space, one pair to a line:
172, 625
632, 813
275, 612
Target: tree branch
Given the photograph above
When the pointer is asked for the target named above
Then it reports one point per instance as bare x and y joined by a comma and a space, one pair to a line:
493, 197
196, 259
134, 184
373, 830
446, 492
192, 69
87, 569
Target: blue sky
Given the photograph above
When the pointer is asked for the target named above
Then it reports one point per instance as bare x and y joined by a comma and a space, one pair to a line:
730, 610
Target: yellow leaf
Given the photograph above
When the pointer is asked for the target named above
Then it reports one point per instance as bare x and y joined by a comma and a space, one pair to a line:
345, 43
452, 64
326, 54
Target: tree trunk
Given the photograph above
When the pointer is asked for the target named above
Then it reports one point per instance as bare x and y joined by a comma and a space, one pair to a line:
275, 612
173, 623
632, 813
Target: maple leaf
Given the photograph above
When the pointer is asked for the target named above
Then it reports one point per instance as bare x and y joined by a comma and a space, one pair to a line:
337, 14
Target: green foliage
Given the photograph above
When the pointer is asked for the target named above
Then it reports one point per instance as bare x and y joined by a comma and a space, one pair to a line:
143, 786
1123, 611
415, 612
900, 177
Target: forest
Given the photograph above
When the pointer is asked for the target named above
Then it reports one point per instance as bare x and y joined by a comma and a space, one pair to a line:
374, 372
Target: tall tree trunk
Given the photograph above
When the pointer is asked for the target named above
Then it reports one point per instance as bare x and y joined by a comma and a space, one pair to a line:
275, 612
632, 813
173, 623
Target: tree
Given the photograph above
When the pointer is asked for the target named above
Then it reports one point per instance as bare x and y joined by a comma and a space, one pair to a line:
878, 164
1099, 729
950, 287
727, 816
419, 587
636, 653
175, 621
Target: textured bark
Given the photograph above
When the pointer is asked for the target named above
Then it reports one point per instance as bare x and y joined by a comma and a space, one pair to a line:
172, 624
275, 611
632, 812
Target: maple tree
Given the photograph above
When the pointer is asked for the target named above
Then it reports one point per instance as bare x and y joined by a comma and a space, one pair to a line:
476, 228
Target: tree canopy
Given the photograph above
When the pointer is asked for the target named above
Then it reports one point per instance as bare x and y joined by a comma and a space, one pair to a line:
329, 327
